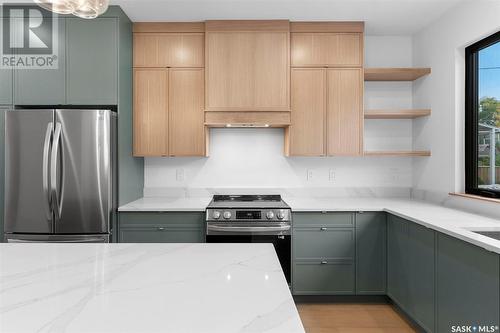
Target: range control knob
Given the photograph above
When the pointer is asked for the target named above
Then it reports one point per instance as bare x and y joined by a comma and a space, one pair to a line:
269, 215
216, 214
227, 215
281, 214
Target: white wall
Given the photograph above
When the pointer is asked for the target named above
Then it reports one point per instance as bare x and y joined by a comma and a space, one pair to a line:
441, 46
254, 157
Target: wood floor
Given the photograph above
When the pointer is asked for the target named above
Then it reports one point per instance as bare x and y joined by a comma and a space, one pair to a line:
352, 318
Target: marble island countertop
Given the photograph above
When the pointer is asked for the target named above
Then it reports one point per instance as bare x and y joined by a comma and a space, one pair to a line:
144, 288
450, 221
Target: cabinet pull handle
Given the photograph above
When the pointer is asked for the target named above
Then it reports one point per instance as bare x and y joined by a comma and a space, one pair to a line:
323, 229
324, 262
160, 229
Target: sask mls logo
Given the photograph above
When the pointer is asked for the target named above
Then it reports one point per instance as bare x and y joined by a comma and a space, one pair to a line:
28, 37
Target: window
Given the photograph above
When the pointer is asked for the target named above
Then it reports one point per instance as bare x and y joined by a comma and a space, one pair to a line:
482, 117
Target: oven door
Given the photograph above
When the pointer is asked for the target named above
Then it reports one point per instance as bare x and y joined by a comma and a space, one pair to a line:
282, 245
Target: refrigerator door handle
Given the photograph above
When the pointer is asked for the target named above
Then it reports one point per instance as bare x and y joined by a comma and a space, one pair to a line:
45, 171
56, 189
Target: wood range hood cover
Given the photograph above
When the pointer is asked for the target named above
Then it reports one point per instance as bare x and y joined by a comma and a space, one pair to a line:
247, 73
247, 119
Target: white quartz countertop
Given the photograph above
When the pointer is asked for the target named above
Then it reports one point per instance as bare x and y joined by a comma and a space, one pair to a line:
166, 204
144, 288
450, 221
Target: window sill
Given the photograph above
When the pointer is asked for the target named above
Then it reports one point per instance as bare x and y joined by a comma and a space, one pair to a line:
476, 197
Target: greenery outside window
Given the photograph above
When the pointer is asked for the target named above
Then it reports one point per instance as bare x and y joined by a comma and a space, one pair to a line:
482, 117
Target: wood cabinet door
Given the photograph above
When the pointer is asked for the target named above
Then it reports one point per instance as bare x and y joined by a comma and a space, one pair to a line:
308, 96
247, 71
150, 112
327, 49
168, 50
186, 112
345, 111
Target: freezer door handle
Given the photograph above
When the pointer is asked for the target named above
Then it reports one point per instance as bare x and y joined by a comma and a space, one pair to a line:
45, 171
56, 189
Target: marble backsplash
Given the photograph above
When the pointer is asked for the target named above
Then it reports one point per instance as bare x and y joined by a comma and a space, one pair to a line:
311, 192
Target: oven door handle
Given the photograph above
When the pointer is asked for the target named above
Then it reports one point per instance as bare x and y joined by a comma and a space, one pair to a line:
247, 229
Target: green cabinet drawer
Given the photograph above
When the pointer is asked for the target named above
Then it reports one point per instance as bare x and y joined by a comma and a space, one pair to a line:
43, 86
323, 219
92, 61
371, 253
323, 243
323, 278
192, 219
160, 234
468, 286
5, 86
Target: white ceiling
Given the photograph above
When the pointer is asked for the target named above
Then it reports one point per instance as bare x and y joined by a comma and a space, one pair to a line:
393, 17
382, 17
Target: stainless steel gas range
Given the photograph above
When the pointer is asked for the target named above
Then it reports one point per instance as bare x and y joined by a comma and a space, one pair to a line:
252, 219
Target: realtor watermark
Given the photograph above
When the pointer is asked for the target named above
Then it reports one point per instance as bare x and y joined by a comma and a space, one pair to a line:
28, 38
474, 329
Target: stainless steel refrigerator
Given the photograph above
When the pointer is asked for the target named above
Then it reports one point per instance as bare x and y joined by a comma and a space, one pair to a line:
59, 175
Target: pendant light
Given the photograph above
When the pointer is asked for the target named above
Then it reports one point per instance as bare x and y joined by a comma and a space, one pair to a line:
58, 6
87, 9
90, 9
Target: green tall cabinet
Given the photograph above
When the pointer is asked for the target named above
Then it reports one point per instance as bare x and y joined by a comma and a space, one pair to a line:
5, 87
44, 86
87, 72
95, 69
92, 71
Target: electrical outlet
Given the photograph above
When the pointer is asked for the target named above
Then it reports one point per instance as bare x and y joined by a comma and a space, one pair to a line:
394, 174
331, 175
179, 175
310, 175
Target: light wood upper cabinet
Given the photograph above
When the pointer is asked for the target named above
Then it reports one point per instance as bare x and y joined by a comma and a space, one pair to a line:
247, 66
345, 111
307, 132
168, 49
150, 112
186, 112
327, 49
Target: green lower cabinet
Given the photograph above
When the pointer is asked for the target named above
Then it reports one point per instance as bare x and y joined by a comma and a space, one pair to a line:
169, 227
323, 243
468, 286
323, 277
371, 253
323, 254
411, 270
421, 275
160, 234
397, 260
